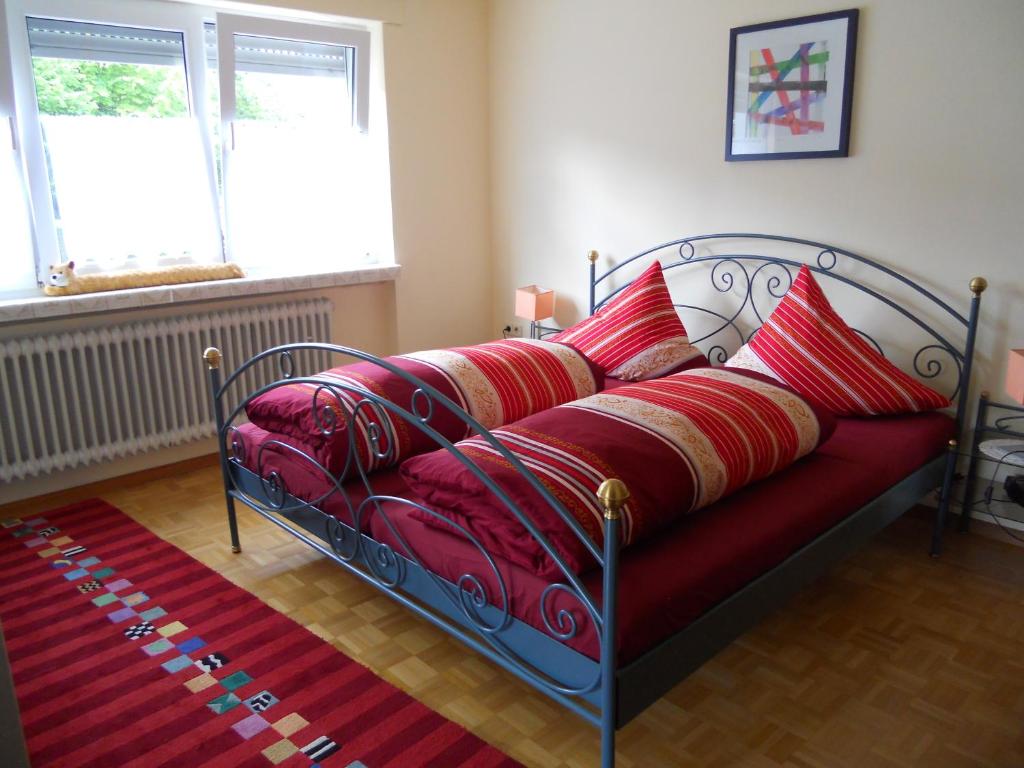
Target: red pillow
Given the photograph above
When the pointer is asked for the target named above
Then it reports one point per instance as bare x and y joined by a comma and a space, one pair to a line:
637, 335
807, 346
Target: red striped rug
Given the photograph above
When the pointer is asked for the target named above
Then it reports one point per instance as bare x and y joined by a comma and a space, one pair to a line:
127, 652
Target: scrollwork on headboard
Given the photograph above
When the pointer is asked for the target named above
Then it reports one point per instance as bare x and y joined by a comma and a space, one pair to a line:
756, 271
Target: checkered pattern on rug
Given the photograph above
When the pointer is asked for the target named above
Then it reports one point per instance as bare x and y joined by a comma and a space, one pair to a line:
67, 740
211, 662
140, 630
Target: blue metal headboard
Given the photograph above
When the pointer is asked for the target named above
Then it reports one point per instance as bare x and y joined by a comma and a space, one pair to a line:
741, 270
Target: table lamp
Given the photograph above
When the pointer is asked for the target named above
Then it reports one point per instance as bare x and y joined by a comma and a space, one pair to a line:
1015, 375
534, 303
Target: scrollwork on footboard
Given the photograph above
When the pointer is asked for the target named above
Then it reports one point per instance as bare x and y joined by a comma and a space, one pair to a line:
480, 596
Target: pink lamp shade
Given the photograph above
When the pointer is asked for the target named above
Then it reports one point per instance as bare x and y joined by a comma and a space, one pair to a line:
1015, 375
535, 303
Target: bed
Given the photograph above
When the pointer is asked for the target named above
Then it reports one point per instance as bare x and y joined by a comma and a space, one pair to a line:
602, 628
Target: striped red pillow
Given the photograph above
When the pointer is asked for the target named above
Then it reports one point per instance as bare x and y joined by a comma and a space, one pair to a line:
807, 346
637, 335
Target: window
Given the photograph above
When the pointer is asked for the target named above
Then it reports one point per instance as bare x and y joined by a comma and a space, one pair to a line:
124, 158
292, 146
159, 133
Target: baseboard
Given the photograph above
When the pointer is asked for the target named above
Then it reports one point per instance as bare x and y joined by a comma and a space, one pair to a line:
100, 487
38, 485
1005, 522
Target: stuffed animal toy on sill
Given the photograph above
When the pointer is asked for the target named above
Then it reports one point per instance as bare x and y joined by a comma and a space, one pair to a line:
64, 282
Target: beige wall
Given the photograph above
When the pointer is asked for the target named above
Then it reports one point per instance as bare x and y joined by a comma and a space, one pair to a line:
435, 62
524, 132
608, 127
437, 83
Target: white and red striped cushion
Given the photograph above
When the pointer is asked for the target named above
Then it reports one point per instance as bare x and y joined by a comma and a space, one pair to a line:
638, 335
807, 346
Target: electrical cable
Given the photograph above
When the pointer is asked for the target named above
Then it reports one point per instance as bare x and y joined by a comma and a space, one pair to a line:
990, 490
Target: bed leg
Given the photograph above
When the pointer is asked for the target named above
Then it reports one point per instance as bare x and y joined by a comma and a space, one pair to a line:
212, 357
236, 546
945, 496
613, 495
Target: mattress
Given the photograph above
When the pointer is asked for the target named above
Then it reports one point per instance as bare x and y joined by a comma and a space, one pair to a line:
669, 581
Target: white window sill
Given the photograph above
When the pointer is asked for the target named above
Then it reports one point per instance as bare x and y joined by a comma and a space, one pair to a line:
41, 306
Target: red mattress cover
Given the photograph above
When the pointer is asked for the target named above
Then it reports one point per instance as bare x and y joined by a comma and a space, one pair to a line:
667, 582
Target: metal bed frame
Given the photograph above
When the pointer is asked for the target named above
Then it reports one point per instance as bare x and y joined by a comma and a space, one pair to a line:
603, 692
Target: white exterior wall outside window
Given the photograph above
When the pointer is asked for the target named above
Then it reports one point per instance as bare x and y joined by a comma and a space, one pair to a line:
160, 133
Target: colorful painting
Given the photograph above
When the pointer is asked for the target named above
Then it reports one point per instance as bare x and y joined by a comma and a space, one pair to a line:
791, 87
788, 91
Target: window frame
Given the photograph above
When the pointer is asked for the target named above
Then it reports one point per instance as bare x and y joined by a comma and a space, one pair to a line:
17, 87
184, 19
8, 113
10, 138
227, 26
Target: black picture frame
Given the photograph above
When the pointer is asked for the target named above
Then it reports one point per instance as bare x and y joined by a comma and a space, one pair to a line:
834, 138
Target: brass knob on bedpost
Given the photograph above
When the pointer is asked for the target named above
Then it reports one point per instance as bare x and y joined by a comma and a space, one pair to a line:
978, 285
592, 257
613, 495
212, 358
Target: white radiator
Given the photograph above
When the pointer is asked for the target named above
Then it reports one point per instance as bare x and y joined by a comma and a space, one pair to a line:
78, 397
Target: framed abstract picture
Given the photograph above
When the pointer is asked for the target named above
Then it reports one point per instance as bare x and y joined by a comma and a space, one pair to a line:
791, 88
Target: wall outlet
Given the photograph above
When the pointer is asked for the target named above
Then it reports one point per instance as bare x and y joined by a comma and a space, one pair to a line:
513, 330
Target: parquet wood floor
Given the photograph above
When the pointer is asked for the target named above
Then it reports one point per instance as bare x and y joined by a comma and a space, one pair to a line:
893, 660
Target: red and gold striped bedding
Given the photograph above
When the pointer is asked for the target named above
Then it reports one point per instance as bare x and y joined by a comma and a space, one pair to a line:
496, 383
679, 443
807, 345
638, 334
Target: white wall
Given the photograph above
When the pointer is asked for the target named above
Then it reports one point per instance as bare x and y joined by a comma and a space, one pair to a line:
608, 124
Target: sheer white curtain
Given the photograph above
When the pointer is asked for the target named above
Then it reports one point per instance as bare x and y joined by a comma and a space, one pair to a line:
127, 175
17, 262
296, 197
130, 191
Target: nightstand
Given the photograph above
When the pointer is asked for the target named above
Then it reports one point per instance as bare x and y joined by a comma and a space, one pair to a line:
998, 437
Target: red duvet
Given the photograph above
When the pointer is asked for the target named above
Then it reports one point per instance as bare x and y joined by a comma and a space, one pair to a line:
679, 443
496, 383
671, 579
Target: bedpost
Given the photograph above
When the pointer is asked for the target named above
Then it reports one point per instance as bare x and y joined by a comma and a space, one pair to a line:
613, 494
592, 257
978, 286
213, 358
